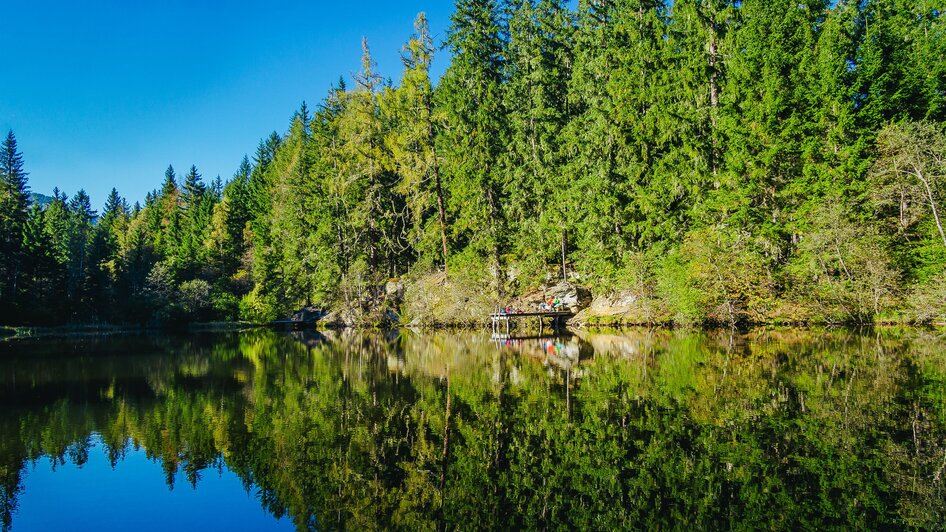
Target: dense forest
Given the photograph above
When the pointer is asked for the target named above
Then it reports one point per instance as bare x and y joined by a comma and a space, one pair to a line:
720, 161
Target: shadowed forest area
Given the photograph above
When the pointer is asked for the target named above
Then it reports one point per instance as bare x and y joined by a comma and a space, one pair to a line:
716, 161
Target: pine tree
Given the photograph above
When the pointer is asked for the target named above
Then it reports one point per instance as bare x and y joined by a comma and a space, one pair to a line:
774, 78
104, 266
164, 215
696, 105
259, 189
80, 232
363, 181
324, 209
13, 216
230, 218
196, 211
42, 274
592, 142
290, 251
56, 226
170, 182
898, 62
193, 189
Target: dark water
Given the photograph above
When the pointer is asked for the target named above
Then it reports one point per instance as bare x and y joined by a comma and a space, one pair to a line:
643, 429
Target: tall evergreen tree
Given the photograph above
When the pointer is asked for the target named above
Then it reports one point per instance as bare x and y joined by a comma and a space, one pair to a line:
475, 132
80, 228
363, 181
13, 216
413, 145
41, 277
538, 68
104, 266
591, 143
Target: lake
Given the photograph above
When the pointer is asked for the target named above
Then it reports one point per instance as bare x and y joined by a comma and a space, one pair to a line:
259, 430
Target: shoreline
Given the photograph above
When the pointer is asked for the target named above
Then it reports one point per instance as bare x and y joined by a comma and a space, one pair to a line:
88, 330
104, 329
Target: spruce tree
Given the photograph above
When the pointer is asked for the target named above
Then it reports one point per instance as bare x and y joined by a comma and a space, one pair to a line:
13, 215
105, 269
41, 277
539, 54
475, 132
592, 143
362, 179
80, 228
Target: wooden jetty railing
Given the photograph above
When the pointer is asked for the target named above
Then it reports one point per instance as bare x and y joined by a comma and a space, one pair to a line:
498, 319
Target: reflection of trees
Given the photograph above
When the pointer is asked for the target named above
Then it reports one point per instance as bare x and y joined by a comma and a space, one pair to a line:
775, 429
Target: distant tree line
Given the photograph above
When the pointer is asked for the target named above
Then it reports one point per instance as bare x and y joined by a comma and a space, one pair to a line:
733, 161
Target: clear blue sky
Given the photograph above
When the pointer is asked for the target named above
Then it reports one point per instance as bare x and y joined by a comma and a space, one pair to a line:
108, 93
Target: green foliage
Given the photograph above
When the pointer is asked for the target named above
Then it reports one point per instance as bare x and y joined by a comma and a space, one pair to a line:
844, 267
13, 216
716, 276
257, 307
726, 161
928, 301
196, 299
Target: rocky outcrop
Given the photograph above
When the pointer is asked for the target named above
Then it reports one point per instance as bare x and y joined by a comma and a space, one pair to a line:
371, 317
574, 297
621, 308
308, 314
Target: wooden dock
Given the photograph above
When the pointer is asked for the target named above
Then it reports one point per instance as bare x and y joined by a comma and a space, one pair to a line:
503, 321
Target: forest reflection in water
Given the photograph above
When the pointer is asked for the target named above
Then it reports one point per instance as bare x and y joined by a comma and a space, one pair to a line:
427, 430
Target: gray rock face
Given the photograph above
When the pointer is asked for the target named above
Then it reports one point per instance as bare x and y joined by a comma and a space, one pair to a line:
306, 314
394, 290
573, 296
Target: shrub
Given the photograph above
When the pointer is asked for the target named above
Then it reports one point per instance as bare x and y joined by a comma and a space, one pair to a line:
843, 268
195, 299
257, 307
715, 276
928, 301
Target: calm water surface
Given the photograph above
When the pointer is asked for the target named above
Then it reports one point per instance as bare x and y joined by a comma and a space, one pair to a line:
641, 429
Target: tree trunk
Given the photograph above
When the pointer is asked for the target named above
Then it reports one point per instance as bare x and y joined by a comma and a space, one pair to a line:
564, 241
494, 216
929, 195
713, 58
441, 212
441, 215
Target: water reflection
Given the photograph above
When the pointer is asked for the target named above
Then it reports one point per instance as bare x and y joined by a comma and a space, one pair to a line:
646, 428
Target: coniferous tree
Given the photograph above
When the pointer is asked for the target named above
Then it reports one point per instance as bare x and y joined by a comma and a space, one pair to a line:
538, 67
196, 210
56, 226
592, 142
475, 132
362, 179
104, 267
79, 230
41, 271
13, 216
721, 160
413, 145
